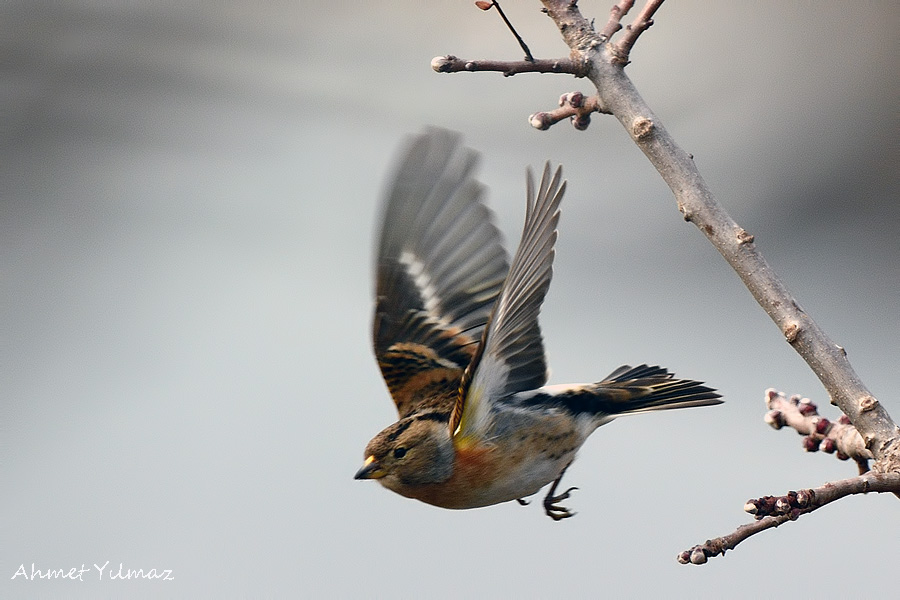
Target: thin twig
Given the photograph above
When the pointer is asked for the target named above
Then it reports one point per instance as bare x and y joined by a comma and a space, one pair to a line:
772, 511
452, 64
642, 23
615, 18
495, 4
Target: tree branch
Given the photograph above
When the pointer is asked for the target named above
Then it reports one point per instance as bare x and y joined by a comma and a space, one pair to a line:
452, 64
772, 511
698, 205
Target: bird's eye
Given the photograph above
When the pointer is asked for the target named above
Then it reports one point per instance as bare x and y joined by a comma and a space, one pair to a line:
399, 452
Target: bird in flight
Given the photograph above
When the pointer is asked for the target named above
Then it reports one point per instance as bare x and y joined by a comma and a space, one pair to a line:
457, 339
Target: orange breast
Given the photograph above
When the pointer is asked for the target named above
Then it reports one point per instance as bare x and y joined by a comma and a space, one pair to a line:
475, 472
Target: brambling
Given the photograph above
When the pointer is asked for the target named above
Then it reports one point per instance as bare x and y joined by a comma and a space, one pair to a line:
456, 337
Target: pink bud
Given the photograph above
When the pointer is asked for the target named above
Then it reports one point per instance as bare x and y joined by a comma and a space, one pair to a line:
581, 123
775, 418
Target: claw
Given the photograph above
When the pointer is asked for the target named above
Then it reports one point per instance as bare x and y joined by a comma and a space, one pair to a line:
522, 501
558, 513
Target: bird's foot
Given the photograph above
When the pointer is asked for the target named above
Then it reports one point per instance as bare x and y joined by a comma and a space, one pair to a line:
522, 501
553, 510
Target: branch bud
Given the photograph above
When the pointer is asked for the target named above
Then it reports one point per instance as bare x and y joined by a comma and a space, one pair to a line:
442, 64
783, 506
807, 408
540, 120
810, 444
775, 419
804, 497
698, 556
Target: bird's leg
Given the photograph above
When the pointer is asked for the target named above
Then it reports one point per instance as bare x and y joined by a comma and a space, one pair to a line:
554, 511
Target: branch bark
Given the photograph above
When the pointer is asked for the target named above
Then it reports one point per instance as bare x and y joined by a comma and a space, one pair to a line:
453, 64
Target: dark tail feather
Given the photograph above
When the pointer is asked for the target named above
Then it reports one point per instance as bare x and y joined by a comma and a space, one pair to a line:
627, 373
640, 389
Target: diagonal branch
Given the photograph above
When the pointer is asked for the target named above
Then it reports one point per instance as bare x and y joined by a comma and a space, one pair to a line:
772, 511
698, 205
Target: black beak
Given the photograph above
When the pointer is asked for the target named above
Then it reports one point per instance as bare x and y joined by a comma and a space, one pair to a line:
370, 470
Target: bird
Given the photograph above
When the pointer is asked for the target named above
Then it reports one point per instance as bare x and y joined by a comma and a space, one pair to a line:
456, 337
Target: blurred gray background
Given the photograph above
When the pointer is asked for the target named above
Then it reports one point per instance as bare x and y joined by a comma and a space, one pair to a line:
188, 204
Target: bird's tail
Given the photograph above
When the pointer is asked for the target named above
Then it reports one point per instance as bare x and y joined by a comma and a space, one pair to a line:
629, 390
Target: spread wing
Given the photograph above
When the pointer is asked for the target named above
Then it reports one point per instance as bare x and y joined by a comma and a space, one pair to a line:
440, 267
511, 356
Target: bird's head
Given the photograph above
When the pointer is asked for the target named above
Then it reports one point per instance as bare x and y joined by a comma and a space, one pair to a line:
413, 451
